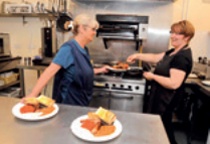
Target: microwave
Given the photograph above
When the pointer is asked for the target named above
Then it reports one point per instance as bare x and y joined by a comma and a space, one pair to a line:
4, 44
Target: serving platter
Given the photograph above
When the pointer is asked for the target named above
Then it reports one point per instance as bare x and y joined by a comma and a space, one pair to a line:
192, 76
117, 70
35, 116
206, 82
86, 135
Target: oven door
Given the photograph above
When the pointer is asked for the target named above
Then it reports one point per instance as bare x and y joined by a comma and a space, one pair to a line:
126, 102
100, 98
117, 101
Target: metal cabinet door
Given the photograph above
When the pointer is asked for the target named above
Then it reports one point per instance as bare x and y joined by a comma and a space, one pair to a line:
100, 98
126, 102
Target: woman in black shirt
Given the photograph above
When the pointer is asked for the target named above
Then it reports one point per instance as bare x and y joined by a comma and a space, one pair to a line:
172, 68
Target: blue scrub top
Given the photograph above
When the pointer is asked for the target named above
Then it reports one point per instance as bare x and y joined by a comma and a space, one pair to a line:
74, 81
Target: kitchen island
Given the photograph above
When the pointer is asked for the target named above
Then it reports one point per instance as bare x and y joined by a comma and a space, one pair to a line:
137, 128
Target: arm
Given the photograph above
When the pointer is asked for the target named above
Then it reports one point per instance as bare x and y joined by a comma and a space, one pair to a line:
103, 69
173, 82
147, 57
48, 73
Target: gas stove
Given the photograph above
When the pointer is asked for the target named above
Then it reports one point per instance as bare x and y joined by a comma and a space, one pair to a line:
120, 82
119, 91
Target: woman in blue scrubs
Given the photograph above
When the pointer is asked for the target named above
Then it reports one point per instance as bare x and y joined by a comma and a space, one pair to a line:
71, 66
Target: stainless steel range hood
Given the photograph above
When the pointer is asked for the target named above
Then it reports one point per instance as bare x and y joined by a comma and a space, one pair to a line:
122, 27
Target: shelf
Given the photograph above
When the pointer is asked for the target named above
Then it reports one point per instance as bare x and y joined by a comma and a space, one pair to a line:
39, 15
126, 0
9, 63
9, 85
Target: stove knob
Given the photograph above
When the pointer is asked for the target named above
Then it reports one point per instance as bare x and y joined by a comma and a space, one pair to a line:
113, 85
129, 87
106, 85
137, 87
121, 86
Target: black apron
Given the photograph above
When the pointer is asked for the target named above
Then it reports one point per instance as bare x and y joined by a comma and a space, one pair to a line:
78, 91
160, 98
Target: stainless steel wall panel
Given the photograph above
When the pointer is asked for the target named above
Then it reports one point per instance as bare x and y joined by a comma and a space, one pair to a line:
160, 19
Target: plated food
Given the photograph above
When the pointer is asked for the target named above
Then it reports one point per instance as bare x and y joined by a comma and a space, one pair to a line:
98, 126
42, 104
35, 108
121, 65
100, 123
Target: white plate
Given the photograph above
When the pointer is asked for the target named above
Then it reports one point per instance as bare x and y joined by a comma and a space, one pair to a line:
206, 82
86, 135
32, 116
116, 70
192, 76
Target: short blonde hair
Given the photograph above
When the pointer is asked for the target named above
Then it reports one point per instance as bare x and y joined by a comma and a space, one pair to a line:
86, 20
184, 27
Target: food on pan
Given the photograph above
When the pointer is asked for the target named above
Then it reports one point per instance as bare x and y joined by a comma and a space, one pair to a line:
121, 65
100, 123
41, 104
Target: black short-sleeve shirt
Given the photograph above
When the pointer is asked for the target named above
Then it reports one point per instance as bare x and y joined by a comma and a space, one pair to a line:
183, 61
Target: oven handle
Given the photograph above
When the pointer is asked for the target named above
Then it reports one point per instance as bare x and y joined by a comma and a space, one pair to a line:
114, 96
102, 96
122, 97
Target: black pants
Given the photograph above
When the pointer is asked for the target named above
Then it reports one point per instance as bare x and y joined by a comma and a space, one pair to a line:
167, 122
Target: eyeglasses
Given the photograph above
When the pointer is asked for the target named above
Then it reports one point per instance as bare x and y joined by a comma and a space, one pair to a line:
92, 28
176, 33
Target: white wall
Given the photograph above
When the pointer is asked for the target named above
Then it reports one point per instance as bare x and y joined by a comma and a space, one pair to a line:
196, 11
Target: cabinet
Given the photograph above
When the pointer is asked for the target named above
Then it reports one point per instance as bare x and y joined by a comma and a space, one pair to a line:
9, 64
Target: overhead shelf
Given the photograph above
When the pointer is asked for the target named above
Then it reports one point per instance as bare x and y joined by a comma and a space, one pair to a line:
39, 15
125, 0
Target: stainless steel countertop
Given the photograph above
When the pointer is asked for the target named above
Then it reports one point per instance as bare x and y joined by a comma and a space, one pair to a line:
137, 128
198, 83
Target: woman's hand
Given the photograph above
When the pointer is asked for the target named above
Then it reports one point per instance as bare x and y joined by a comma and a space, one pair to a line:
132, 58
103, 69
149, 75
